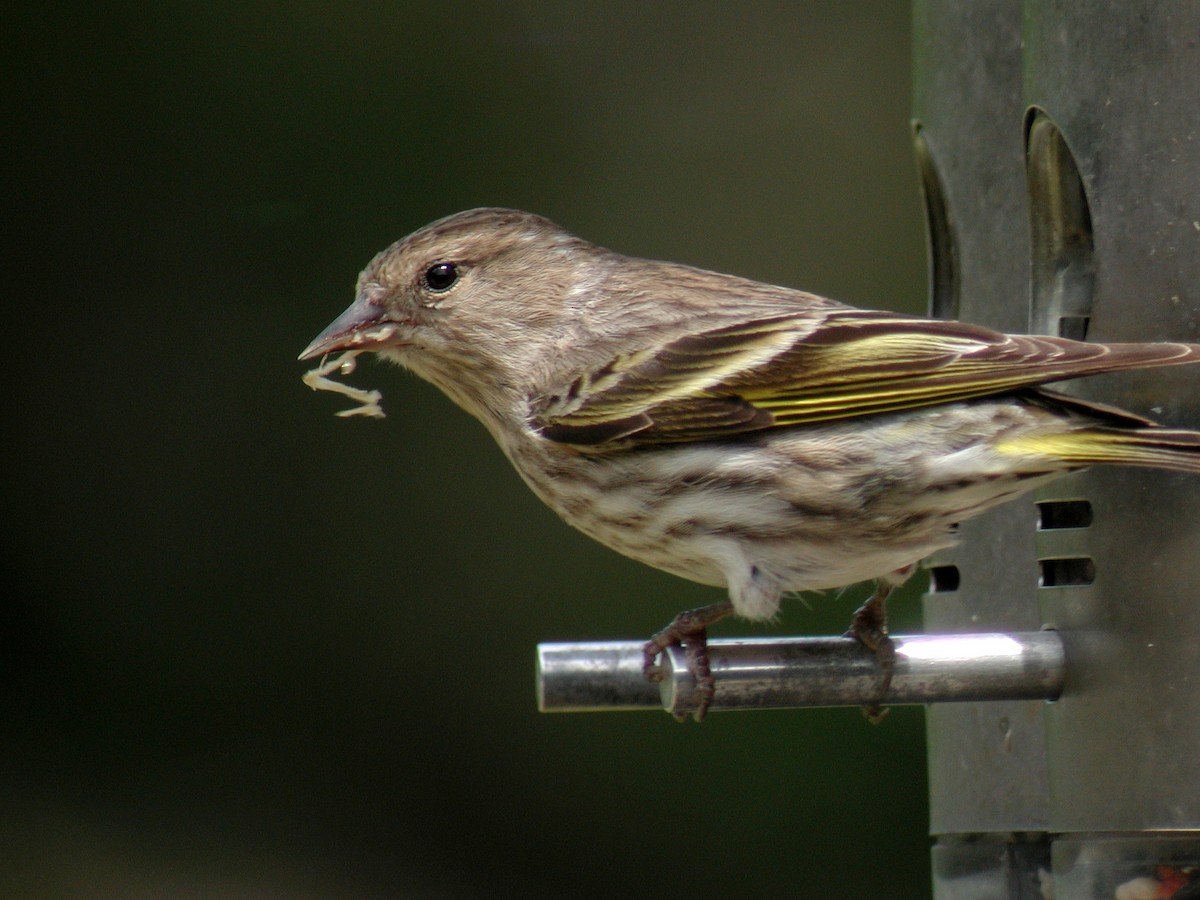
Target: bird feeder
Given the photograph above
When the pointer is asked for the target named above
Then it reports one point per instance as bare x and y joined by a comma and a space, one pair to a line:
1058, 149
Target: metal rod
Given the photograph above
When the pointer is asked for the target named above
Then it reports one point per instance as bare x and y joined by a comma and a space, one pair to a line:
594, 677
779, 673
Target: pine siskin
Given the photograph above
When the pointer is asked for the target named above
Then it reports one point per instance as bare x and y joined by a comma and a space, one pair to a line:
736, 433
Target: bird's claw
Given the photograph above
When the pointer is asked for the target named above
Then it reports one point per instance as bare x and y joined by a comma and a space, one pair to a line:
868, 625
688, 630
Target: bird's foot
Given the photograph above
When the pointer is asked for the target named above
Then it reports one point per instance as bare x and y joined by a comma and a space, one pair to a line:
688, 630
869, 626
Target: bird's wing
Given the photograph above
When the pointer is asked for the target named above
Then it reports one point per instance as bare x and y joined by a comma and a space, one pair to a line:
791, 370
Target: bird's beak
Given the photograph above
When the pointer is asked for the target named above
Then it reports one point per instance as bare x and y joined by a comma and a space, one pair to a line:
364, 326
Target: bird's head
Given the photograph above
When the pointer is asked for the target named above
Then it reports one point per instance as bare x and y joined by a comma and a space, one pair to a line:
477, 303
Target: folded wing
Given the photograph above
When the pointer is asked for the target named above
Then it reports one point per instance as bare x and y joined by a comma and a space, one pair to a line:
789, 370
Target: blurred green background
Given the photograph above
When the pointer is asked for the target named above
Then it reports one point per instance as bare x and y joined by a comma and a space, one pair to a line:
253, 650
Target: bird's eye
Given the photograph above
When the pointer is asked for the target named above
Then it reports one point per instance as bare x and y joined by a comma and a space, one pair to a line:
441, 276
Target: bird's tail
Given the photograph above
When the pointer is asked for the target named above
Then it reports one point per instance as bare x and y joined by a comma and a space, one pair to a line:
1156, 448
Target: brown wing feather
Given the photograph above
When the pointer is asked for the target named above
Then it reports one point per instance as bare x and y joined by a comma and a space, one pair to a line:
793, 370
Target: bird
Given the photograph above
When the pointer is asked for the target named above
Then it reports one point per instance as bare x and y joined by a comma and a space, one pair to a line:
738, 434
